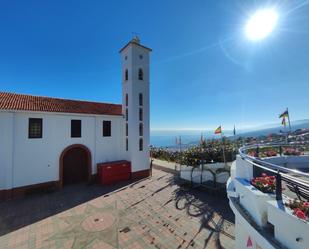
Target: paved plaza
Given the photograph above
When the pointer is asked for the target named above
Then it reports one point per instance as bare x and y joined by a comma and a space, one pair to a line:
157, 212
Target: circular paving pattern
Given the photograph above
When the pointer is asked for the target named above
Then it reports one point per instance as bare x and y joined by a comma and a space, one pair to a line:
98, 222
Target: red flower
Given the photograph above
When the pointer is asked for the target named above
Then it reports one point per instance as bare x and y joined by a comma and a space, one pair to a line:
306, 204
300, 214
264, 183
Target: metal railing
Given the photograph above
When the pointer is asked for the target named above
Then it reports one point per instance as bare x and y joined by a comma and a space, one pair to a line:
299, 186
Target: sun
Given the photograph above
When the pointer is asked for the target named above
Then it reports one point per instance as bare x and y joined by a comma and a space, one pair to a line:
261, 24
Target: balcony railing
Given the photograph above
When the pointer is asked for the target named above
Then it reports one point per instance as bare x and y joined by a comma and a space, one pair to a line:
296, 180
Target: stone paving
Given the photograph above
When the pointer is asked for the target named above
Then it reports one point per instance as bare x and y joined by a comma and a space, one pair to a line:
157, 212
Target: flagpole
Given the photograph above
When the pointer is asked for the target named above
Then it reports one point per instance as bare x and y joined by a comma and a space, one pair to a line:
289, 120
223, 150
285, 130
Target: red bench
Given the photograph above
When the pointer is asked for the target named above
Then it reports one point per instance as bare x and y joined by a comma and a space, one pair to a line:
112, 172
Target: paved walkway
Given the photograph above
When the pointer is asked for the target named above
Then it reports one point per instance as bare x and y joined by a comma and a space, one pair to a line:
153, 213
165, 166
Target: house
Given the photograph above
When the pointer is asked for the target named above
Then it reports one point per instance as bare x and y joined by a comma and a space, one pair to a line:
48, 142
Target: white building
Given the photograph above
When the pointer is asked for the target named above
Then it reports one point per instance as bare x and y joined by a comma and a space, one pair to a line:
50, 142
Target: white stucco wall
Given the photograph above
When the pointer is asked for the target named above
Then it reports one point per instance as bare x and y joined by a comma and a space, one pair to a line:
6, 148
35, 161
291, 162
243, 169
290, 231
131, 61
198, 176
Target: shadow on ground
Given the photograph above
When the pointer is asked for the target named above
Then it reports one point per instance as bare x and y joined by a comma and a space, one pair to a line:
212, 210
23, 211
194, 217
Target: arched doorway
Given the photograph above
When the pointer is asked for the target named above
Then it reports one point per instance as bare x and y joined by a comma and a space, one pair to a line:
75, 165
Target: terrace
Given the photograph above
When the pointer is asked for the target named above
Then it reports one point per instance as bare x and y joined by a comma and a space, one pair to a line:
158, 212
268, 192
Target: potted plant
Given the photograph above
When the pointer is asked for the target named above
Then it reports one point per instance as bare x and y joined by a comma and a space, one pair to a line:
299, 208
255, 194
292, 152
265, 183
270, 153
290, 221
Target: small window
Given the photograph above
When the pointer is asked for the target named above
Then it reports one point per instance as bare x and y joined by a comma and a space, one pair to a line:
35, 129
141, 129
140, 74
127, 129
126, 77
127, 144
127, 114
127, 99
107, 128
76, 128
140, 114
141, 56
140, 144
140, 97
126, 57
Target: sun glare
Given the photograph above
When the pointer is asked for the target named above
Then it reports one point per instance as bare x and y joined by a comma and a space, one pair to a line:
261, 24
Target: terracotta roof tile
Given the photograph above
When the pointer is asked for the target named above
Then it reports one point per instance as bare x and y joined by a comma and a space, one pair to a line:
22, 102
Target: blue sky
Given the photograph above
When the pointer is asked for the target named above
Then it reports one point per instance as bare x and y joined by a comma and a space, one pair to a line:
204, 72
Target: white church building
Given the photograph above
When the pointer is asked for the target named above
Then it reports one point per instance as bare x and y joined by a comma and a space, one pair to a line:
46, 142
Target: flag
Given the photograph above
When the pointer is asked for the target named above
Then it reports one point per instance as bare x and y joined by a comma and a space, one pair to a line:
218, 130
283, 121
284, 114
234, 131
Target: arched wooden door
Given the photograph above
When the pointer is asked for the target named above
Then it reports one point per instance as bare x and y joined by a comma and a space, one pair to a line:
75, 165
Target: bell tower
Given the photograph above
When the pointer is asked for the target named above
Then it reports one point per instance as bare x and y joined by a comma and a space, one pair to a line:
135, 105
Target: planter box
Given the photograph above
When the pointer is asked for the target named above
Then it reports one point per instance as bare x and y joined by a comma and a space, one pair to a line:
222, 177
253, 200
289, 230
185, 174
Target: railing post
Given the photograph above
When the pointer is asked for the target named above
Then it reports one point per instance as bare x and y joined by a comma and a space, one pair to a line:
257, 151
280, 150
278, 186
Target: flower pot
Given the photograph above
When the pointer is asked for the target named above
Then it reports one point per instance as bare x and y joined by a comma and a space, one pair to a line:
289, 230
253, 200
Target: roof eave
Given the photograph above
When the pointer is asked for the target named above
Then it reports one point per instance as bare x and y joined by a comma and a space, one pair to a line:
135, 43
60, 112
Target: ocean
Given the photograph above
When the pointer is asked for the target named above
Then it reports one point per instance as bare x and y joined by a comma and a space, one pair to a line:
164, 138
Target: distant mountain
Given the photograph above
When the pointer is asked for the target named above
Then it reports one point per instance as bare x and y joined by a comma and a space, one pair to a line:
166, 138
295, 125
